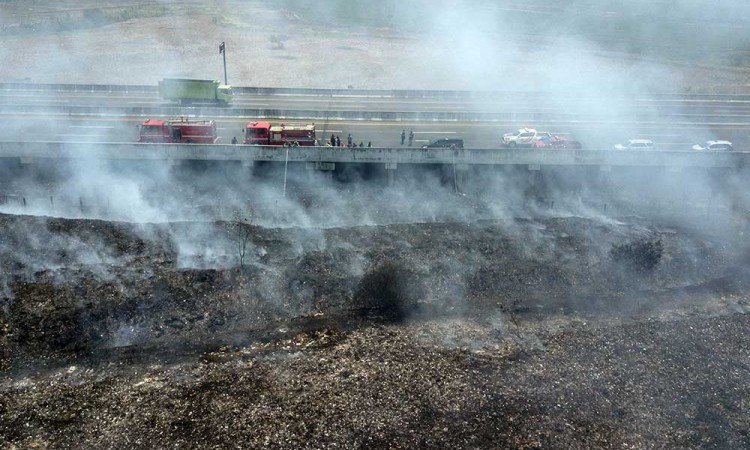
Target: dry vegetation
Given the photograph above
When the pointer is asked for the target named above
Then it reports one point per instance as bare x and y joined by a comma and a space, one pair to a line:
510, 334
73, 43
556, 333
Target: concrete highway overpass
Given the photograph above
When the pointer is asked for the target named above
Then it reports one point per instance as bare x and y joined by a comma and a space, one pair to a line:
327, 157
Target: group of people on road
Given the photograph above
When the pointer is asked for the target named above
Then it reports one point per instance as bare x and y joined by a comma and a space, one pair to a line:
335, 141
411, 137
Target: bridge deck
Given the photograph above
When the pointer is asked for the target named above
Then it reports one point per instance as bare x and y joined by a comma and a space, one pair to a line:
30, 151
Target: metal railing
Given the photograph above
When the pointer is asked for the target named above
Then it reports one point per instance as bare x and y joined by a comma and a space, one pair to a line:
395, 93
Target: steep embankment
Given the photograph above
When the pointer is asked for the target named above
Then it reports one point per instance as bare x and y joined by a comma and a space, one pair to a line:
75, 286
554, 333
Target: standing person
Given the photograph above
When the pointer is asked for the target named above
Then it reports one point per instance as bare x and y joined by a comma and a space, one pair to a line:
369, 144
338, 141
333, 140
411, 137
234, 140
403, 136
349, 140
361, 144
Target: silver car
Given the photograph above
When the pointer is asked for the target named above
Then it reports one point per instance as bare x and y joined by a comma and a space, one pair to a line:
636, 144
714, 145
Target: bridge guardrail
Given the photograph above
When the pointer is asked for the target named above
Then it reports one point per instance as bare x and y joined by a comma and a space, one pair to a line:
395, 93
394, 116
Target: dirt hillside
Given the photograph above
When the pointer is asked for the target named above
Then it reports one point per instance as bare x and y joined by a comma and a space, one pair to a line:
135, 42
529, 333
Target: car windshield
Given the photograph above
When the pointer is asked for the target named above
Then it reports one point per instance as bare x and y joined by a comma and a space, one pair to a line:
150, 130
256, 132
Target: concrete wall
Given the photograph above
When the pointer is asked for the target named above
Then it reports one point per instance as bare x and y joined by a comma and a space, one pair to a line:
390, 116
343, 92
29, 151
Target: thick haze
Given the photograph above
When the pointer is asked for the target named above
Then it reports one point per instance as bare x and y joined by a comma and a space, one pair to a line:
513, 268
583, 54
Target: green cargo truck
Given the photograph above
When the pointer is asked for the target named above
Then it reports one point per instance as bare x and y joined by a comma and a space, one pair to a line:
186, 91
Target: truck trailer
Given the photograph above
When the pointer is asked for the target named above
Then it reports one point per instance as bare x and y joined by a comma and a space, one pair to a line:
187, 91
263, 133
178, 131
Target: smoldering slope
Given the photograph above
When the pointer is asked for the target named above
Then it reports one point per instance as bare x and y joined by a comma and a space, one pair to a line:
339, 233
472, 55
270, 197
273, 197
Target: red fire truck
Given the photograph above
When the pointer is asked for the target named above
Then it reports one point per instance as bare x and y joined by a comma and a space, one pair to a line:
178, 131
263, 133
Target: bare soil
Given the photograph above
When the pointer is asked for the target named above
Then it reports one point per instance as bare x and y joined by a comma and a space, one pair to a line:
549, 333
268, 45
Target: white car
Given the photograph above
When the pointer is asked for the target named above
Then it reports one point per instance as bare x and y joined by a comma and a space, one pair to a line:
524, 137
714, 145
636, 144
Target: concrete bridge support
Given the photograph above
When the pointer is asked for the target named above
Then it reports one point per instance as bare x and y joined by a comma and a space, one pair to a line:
390, 169
461, 175
604, 179
535, 176
324, 168
248, 166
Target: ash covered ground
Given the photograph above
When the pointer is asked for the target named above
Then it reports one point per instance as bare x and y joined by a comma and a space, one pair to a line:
454, 329
540, 332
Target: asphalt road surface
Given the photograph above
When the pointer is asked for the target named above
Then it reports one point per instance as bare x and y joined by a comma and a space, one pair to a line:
672, 122
379, 133
490, 103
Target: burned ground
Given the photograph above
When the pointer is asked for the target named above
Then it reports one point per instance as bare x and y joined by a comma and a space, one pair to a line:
518, 333
496, 334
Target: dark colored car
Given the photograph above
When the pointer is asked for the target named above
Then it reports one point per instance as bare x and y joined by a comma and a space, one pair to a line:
557, 142
445, 143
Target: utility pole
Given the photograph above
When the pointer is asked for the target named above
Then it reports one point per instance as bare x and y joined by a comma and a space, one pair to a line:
223, 51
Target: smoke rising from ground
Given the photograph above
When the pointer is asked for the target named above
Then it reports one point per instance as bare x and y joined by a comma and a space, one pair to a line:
212, 193
517, 262
414, 45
